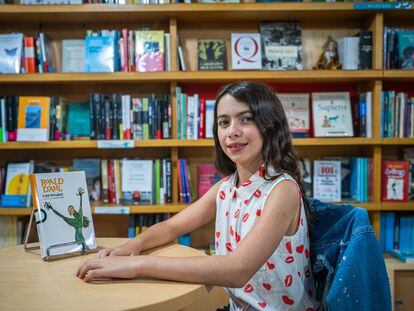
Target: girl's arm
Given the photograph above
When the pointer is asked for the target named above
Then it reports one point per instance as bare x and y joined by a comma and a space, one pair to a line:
280, 216
196, 215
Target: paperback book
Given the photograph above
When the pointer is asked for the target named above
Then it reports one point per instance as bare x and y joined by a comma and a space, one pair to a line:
63, 213
395, 181
296, 107
211, 54
327, 181
149, 50
246, 51
11, 46
33, 118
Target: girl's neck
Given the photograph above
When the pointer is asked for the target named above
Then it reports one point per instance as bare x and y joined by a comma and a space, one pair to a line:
244, 172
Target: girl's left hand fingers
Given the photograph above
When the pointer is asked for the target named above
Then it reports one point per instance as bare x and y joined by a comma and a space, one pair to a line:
91, 274
87, 266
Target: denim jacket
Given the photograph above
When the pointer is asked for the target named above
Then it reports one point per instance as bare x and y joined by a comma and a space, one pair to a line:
347, 262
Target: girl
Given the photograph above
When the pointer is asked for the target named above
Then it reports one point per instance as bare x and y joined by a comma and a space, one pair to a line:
262, 241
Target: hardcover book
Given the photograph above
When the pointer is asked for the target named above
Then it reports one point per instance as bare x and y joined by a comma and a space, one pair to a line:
11, 46
332, 115
33, 119
63, 213
246, 51
327, 181
281, 45
211, 54
296, 107
395, 181
99, 54
149, 49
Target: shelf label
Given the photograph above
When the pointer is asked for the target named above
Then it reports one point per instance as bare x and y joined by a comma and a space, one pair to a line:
123, 210
382, 6
115, 144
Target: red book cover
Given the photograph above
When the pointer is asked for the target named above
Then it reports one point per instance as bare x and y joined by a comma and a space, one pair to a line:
207, 177
395, 181
29, 52
111, 181
202, 131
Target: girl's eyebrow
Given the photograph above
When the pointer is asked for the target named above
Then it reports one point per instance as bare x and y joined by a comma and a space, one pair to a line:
237, 115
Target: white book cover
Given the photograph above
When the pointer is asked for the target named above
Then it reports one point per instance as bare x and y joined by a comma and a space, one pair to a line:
246, 51
296, 107
63, 213
11, 46
73, 55
332, 114
369, 114
137, 176
327, 181
210, 103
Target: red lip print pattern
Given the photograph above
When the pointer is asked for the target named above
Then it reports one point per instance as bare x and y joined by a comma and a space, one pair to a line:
246, 202
289, 247
222, 195
310, 309
231, 231
246, 183
234, 194
245, 217
299, 273
227, 213
261, 172
248, 288
217, 234
228, 247
288, 280
236, 213
262, 304
217, 245
307, 253
289, 259
299, 249
237, 238
270, 265
258, 212
267, 286
287, 300
257, 193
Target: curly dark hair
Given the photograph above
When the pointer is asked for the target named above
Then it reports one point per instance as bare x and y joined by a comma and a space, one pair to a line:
270, 118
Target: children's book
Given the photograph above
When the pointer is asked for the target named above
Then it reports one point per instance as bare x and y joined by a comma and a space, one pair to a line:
63, 213
246, 51
33, 118
11, 46
73, 55
281, 45
16, 188
395, 181
211, 54
327, 181
99, 54
149, 49
296, 107
332, 114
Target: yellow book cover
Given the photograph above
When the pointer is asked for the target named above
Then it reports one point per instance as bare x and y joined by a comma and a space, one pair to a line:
149, 47
33, 118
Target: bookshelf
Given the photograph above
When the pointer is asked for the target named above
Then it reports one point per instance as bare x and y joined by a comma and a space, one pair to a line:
197, 21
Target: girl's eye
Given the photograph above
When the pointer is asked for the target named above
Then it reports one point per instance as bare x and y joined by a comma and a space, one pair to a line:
247, 119
223, 123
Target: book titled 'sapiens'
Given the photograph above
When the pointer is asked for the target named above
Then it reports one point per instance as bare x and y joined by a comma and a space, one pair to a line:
395, 181
63, 213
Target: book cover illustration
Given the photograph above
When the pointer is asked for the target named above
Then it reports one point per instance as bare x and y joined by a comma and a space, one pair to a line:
327, 181
63, 213
92, 169
11, 46
246, 52
17, 178
332, 114
281, 45
395, 181
296, 107
33, 118
406, 49
149, 46
137, 179
99, 54
208, 176
211, 54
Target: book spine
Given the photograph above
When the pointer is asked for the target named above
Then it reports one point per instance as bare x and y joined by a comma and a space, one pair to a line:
365, 50
201, 133
168, 181
104, 180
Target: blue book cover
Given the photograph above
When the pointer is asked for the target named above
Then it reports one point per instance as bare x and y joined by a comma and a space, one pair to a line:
353, 188
183, 183
406, 49
389, 233
100, 54
383, 226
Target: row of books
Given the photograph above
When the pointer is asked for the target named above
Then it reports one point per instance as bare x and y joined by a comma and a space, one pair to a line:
356, 52
104, 117
398, 49
333, 114
397, 115
397, 235
138, 223
12, 230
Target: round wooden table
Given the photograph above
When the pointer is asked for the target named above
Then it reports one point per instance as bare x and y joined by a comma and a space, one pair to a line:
29, 283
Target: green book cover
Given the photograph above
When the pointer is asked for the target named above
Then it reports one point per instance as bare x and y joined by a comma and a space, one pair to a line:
406, 49
145, 125
211, 54
157, 181
79, 120
184, 116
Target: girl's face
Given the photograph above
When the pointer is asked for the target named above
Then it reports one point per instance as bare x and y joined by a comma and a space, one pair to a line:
238, 134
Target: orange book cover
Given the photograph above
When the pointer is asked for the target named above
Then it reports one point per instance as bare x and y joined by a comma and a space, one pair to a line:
33, 118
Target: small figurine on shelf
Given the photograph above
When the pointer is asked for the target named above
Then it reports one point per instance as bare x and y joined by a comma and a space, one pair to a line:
329, 57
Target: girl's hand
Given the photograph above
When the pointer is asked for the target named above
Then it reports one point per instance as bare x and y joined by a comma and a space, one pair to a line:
128, 249
108, 267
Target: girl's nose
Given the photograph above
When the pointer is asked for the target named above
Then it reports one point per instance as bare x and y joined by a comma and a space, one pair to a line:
234, 129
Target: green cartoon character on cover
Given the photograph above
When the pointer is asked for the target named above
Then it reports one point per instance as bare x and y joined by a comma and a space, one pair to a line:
77, 220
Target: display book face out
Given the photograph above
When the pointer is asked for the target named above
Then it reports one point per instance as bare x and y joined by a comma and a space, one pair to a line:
63, 213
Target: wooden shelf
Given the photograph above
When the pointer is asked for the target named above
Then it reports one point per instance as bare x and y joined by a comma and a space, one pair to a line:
391, 75
391, 206
336, 141
183, 12
15, 211
397, 141
291, 76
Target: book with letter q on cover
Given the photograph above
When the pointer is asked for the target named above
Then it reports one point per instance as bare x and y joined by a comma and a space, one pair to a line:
63, 213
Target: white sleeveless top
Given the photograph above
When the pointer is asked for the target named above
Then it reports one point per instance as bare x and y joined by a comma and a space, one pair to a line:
285, 281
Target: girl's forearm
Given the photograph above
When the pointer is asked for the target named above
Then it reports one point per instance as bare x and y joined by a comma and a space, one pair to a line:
156, 235
211, 270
